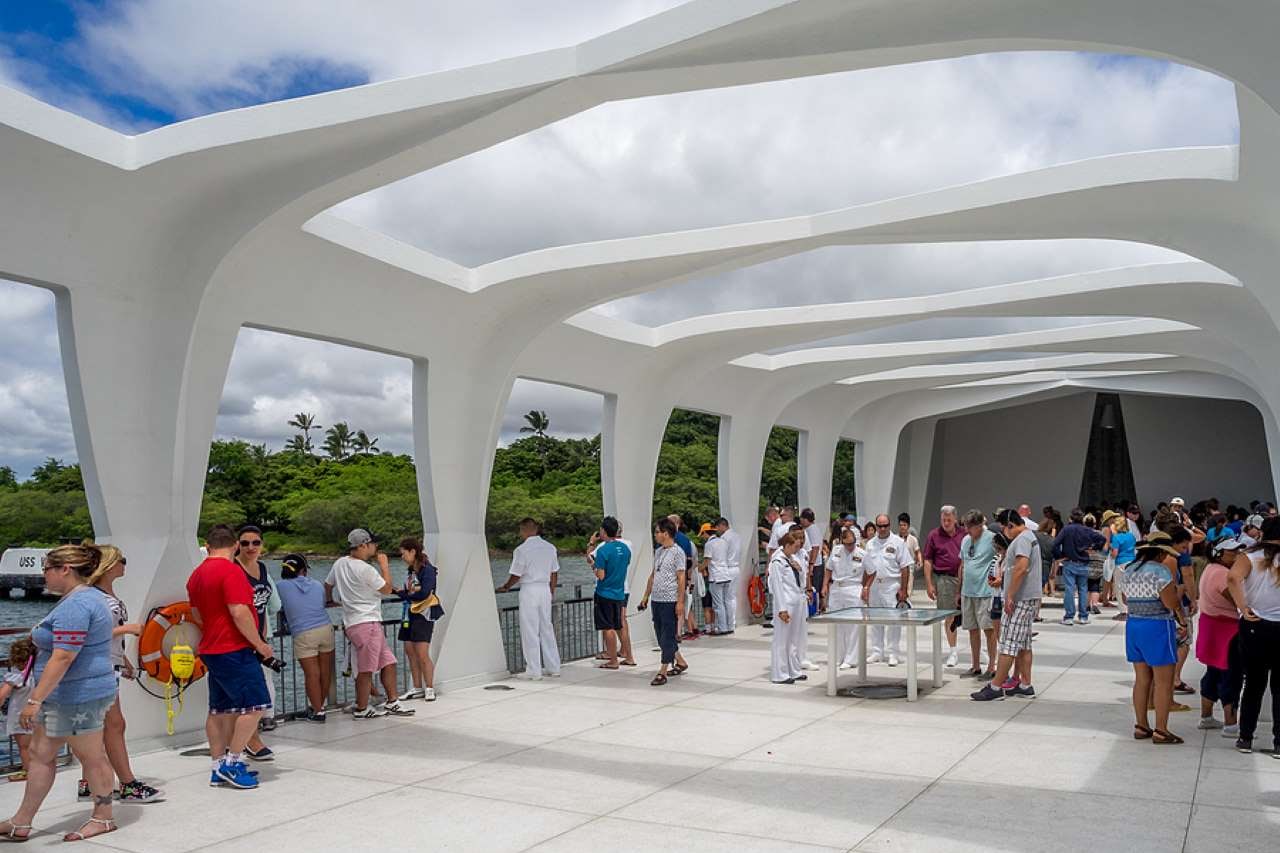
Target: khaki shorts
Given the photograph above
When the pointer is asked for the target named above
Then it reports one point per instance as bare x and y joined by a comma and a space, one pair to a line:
312, 642
948, 589
975, 613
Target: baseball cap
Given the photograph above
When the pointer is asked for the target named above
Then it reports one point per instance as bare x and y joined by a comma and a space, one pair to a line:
848, 516
1227, 545
1177, 502
705, 528
359, 537
1254, 520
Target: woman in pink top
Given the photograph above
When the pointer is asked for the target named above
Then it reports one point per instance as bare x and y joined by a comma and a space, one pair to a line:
1216, 644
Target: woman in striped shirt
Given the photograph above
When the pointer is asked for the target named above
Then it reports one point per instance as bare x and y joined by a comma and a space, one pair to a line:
666, 583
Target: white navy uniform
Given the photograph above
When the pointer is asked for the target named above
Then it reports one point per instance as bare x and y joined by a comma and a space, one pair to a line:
534, 561
847, 572
886, 558
784, 587
733, 558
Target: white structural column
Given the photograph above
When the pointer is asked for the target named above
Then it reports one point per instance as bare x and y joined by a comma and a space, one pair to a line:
815, 461
739, 461
875, 461
915, 482
142, 401
453, 414
630, 441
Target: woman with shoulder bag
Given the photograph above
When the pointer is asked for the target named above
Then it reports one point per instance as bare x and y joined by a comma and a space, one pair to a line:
418, 620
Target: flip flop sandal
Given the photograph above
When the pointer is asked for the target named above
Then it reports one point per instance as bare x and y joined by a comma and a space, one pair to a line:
79, 835
658, 681
1141, 732
1183, 688
606, 666
628, 663
674, 671
681, 668
12, 836
1163, 738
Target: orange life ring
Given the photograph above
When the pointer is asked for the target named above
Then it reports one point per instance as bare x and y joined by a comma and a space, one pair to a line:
165, 627
755, 595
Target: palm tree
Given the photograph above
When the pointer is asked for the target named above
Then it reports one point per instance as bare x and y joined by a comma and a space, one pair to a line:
297, 444
306, 422
538, 423
337, 440
362, 444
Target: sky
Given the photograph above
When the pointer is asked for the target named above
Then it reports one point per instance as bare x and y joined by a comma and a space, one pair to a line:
629, 168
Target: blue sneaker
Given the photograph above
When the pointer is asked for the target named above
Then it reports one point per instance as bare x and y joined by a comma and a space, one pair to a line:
236, 775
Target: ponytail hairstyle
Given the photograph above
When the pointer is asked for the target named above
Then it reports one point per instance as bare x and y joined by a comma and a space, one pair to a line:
83, 558
110, 556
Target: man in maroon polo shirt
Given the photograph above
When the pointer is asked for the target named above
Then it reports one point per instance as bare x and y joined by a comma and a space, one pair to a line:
942, 566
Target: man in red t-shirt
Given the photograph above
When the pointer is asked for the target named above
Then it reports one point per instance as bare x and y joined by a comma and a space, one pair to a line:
234, 653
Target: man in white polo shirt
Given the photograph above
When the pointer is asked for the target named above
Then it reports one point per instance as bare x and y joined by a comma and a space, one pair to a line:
535, 566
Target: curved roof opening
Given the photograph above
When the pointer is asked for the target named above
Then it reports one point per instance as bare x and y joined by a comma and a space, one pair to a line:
795, 147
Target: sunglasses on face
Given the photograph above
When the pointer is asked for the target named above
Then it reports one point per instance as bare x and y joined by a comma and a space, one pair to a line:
250, 543
882, 525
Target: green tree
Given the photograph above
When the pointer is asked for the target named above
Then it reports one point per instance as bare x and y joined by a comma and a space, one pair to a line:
843, 493
47, 471
8, 479
364, 445
537, 423
337, 440
306, 422
297, 444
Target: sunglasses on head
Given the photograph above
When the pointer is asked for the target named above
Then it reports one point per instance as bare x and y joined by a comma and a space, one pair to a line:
250, 543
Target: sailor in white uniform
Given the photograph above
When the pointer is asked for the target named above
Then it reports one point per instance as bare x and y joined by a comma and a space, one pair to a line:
789, 602
842, 589
535, 565
888, 559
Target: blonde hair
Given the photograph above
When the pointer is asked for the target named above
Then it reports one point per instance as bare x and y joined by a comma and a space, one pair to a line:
83, 558
1120, 524
110, 555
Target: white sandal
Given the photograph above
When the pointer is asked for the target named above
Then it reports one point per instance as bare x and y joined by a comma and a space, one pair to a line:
107, 822
12, 836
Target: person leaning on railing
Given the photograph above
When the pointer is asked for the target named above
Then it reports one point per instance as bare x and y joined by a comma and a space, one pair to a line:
303, 600
418, 619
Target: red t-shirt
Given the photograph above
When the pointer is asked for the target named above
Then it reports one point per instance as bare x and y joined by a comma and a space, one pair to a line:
216, 583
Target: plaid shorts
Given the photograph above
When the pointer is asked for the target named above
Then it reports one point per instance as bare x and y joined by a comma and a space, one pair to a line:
1015, 630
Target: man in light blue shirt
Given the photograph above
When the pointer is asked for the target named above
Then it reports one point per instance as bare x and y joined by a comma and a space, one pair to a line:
977, 554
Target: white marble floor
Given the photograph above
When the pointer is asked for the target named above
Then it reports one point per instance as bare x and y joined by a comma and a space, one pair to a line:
722, 760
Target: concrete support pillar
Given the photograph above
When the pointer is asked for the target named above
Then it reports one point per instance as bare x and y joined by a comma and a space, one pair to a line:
456, 415
740, 458
815, 458
143, 384
919, 461
630, 440
876, 460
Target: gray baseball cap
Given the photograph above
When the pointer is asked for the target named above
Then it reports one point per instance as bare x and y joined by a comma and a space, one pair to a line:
359, 537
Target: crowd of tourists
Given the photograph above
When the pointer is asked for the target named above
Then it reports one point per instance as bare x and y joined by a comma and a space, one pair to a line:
1183, 579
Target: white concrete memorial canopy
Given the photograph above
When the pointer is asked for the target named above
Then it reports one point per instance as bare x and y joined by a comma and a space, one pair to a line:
161, 246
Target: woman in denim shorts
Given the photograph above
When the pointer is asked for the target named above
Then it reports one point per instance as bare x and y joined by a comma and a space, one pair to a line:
75, 685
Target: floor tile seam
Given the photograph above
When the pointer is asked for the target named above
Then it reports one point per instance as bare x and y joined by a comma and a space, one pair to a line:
1204, 742
1263, 810
941, 776
723, 761
219, 843
647, 823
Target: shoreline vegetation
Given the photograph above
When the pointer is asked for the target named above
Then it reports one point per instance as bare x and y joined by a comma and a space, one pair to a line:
306, 501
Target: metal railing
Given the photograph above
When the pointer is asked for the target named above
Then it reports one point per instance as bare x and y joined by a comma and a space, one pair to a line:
12, 760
